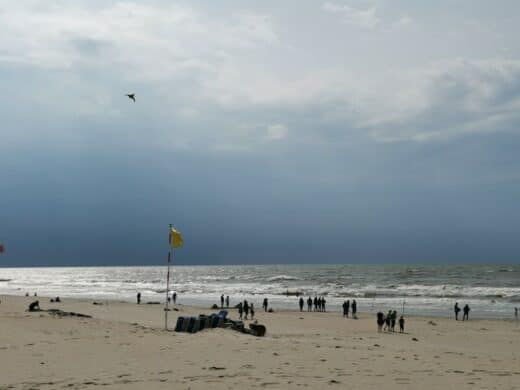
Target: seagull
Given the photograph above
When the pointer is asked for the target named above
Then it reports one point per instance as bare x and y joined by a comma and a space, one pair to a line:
131, 96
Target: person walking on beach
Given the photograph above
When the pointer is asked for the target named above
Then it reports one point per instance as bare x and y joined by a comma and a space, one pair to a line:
265, 304
227, 301
516, 313
138, 298
401, 324
380, 321
301, 303
240, 310
347, 308
222, 301
345, 312
315, 303
456, 309
309, 304
354, 308
246, 309
319, 304
174, 296
252, 311
466, 312
323, 302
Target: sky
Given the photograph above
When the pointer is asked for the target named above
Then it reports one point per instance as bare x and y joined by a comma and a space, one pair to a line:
340, 131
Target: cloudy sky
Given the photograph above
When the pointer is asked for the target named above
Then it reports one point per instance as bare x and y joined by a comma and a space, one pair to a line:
281, 132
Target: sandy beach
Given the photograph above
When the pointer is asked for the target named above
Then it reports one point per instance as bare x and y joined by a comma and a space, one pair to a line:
124, 345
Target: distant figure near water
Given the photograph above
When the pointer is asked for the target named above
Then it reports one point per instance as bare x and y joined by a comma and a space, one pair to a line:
246, 309
309, 304
401, 324
265, 304
240, 310
466, 312
138, 298
227, 301
222, 301
380, 322
456, 309
346, 308
174, 297
301, 302
354, 309
252, 311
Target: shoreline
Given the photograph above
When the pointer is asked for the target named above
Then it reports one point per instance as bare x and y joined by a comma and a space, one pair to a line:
338, 313
365, 315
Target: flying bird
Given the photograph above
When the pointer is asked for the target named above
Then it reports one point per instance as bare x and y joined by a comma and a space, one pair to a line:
131, 96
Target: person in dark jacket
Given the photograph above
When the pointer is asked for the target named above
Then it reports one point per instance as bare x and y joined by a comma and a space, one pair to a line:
456, 309
380, 321
354, 308
466, 312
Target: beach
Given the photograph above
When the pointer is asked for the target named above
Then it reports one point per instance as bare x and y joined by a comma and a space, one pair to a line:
124, 345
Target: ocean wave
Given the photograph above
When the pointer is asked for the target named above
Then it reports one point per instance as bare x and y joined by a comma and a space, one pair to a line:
280, 278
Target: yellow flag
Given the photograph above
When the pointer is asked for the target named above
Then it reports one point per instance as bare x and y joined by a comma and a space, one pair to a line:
175, 238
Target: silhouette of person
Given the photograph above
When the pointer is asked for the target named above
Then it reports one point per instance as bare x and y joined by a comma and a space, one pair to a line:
401, 324
246, 309
315, 303
388, 318
265, 304
301, 303
319, 304
380, 321
516, 313
174, 297
323, 302
138, 298
222, 301
227, 301
466, 312
393, 320
240, 310
348, 307
344, 308
309, 304
354, 308
252, 311
456, 309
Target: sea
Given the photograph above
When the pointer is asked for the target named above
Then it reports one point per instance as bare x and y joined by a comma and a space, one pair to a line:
492, 291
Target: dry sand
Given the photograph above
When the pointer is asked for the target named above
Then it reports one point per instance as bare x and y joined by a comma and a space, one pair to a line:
124, 347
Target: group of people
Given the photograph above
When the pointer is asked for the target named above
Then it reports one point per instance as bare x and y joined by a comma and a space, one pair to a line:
318, 303
347, 306
466, 310
245, 309
222, 301
387, 323
170, 299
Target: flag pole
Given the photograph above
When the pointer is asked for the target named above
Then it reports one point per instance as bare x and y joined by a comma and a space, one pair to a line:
166, 307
